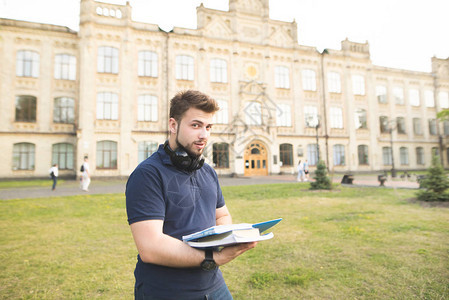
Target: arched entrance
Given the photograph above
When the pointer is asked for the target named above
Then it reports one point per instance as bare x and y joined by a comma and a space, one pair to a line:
255, 158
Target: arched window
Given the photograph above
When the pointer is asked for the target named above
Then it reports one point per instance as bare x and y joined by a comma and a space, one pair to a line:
312, 154
220, 155
147, 64
23, 156
106, 155
404, 155
286, 154
63, 155
146, 149
64, 110
420, 156
147, 108
184, 67
362, 151
221, 116
107, 61
339, 155
26, 109
65, 67
107, 106
27, 63
386, 156
218, 70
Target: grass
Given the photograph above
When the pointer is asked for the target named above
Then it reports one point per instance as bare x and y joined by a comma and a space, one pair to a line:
350, 243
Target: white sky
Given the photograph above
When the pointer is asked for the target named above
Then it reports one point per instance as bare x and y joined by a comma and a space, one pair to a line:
402, 34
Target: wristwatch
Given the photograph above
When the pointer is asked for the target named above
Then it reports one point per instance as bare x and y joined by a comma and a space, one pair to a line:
208, 264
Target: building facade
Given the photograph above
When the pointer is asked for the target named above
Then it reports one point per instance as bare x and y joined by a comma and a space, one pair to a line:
104, 92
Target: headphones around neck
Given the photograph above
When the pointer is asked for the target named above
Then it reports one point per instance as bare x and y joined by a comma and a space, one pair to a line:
182, 160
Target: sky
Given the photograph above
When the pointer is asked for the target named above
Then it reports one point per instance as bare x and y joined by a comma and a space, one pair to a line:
402, 34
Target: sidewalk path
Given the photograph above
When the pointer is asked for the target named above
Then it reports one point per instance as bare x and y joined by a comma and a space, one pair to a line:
71, 187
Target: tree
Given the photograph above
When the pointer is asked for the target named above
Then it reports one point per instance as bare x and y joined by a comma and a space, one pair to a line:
322, 182
435, 183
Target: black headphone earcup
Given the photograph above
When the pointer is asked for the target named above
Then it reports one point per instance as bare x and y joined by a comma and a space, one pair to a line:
181, 160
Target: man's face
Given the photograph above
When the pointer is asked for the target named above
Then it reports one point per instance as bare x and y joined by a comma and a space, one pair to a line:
193, 131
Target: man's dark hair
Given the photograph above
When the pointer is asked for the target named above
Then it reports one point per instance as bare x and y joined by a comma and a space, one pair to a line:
182, 101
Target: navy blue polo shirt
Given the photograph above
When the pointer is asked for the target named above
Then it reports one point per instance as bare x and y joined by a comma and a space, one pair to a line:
186, 202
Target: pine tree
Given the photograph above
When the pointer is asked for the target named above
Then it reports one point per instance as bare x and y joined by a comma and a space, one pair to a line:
435, 184
322, 182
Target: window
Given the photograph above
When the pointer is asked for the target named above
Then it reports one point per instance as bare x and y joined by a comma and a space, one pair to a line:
253, 113
147, 64
398, 94
400, 125
145, 150
284, 115
281, 77
312, 154
310, 116
107, 106
381, 93
65, 67
417, 127
220, 155
23, 156
107, 61
446, 127
362, 151
106, 155
218, 70
64, 110
62, 154
432, 127
358, 85
339, 155
414, 97
286, 154
386, 156
334, 82
429, 98
221, 116
403, 151
336, 114
27, 63
420, 155
435, 151
26, 109
184, 67
360, 118
308, 80
384, 126
443, 98
147, 108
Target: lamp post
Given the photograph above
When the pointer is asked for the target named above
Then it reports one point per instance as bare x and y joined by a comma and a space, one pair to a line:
391, 128
314, 121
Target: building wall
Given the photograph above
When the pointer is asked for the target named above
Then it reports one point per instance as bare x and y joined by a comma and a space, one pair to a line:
253, 46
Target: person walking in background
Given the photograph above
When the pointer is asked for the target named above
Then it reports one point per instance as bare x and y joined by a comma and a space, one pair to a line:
85, 176
54, 175
306, 170
300, 171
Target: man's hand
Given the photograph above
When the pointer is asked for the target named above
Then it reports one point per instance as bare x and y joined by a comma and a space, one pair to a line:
229, 253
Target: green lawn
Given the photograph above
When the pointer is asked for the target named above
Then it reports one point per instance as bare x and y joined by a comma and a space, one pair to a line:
350, 243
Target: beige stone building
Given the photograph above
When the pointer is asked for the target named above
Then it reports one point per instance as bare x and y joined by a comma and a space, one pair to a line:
103, 92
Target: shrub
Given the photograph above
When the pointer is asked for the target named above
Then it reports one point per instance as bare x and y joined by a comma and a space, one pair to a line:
435, 184
322, 182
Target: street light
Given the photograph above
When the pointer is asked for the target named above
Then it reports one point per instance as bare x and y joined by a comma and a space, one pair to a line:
314, 121
390, 129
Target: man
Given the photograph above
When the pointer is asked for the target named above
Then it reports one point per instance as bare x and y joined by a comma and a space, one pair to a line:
54, 175
172, 194
85, 176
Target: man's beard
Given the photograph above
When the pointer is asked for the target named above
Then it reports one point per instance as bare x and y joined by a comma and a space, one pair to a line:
188, 151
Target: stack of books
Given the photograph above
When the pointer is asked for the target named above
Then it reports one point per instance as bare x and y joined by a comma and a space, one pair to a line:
226, 235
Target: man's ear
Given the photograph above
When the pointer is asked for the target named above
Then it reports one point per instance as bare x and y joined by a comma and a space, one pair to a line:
173, 126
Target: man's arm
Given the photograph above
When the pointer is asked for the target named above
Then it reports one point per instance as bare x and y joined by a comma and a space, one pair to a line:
222, 216
158, 248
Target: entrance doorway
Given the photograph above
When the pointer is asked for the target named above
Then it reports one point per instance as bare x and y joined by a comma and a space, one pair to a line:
255, 158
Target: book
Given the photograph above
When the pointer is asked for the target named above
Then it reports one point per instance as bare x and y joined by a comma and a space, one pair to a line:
226, 235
